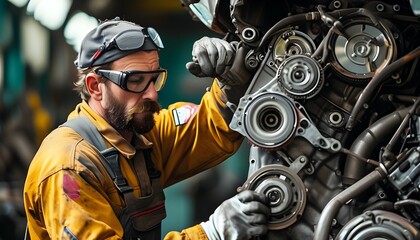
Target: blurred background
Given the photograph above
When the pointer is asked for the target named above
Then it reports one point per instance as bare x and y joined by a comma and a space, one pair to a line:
38, 44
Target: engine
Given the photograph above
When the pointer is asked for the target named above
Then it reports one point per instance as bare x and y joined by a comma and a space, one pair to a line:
332, 114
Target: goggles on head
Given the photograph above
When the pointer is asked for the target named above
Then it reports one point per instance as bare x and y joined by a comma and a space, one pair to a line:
135, 81
130, 40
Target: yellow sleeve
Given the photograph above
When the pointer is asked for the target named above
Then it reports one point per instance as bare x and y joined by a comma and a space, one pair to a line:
190, 138
73, 208
193, 233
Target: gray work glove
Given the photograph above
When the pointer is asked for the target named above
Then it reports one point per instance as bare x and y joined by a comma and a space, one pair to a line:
243, 216
217, 58
212, 57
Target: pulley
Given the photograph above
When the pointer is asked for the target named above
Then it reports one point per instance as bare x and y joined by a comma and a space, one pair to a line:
285, 191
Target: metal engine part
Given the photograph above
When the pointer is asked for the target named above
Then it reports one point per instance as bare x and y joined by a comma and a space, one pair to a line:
284, 190
406, 178
300, 76
378, 224
269, 119
363, 48
331, 115
293, 43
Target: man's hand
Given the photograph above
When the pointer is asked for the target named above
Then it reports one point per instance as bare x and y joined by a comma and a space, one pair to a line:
241, 217
212, 57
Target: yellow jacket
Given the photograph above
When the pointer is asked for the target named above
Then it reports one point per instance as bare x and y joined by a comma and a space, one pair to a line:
64, 197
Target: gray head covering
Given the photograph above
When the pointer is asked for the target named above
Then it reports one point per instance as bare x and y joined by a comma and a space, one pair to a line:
96, 49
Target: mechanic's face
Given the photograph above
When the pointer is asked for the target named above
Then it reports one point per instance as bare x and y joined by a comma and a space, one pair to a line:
127, 110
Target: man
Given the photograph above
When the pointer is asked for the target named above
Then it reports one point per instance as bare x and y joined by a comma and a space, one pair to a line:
73, 191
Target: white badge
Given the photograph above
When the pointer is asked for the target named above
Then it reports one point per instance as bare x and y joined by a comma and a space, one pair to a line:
182, 115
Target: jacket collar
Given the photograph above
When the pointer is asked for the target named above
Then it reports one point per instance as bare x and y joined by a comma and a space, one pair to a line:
109, 133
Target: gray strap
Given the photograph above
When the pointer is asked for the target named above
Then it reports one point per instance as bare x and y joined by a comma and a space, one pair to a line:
87, 131
109, 156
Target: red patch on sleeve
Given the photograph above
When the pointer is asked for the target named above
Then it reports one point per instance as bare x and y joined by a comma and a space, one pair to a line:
70, 187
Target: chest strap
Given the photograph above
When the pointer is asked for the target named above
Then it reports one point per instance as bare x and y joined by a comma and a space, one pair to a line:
142, 216
110, 159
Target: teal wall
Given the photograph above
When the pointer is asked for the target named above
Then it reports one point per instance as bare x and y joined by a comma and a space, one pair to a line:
14, 76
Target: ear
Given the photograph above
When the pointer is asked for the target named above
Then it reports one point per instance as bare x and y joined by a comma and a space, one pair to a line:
93, 86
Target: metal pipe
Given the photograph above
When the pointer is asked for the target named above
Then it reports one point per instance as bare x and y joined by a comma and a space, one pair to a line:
402, 126
367, 141
294, 19
378, 79
331, 209
398, 205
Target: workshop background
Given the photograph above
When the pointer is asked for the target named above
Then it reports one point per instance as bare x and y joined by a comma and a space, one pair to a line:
38, 39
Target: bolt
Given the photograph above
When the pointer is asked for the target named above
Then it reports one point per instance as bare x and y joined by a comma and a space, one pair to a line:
380, 7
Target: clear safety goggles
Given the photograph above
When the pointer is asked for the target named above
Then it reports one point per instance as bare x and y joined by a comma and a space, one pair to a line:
131, 40
135, 81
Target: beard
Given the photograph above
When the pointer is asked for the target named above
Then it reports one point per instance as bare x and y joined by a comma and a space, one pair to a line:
139, 118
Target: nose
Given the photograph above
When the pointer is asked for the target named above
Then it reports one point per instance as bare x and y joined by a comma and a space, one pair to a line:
151, 92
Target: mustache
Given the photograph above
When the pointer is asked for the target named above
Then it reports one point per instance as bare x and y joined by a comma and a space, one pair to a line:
146, 106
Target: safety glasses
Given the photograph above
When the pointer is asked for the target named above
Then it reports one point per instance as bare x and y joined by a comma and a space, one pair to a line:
130, 40
135, 81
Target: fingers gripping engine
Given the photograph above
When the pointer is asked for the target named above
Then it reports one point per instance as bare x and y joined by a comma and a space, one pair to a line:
284, 190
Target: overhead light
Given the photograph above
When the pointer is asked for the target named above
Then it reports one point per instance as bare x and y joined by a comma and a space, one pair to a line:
19, 3
50, 13
35, 44
77, 27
